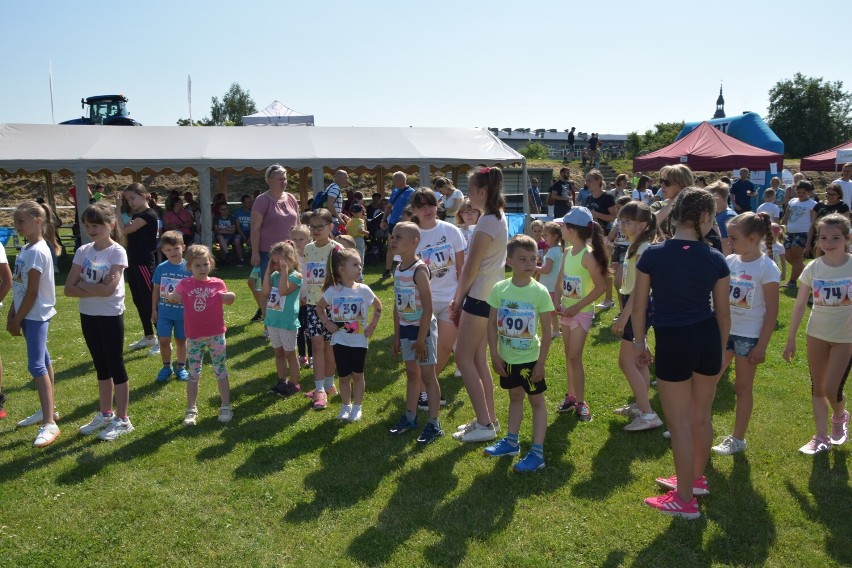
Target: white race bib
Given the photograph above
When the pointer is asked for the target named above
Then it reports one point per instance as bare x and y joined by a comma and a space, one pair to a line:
516, 325
572, 287
833, 293
315, 273
93, 272
741, 293
406, 304
439, 259
275, 302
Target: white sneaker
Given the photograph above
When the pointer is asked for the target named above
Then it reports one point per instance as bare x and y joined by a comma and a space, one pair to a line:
729, 446
191, 416
46, 435
458, 373
36, 418
345, 413
640, 423
115, 429
98, 422
143, 343
355, 415
155, 350
630, 410
477, 434
605, 305
225, 413
466, 425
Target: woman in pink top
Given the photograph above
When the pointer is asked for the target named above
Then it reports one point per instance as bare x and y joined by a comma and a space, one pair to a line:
273, 214
483, 268
180, 219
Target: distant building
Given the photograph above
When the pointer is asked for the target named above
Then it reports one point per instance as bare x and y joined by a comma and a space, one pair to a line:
720, 105
558, 141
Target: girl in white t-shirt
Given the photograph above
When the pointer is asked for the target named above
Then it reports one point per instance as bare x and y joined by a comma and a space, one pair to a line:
639, 225
348, 301
753, 302
829, 333
483, 268
798, 218
5, 286
466, 219
550, 268
34, 294
97, 280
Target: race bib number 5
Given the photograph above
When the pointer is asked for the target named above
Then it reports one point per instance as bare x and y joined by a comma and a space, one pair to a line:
406, 304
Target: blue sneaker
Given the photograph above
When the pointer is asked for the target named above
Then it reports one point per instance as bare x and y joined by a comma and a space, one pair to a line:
531, 462
403, 426
164, 374
430, 434
502, 448
182, 374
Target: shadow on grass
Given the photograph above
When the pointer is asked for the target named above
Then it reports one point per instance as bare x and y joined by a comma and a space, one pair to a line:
678, 545
611, 465
832, 502
725, 399
420, 504
735, 504
335, 487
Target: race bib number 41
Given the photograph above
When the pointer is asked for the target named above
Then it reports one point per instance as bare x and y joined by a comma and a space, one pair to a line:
833, 293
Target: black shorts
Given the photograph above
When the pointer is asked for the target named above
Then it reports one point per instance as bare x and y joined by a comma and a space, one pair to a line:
349, 359
475, 307
628, 334
519, 376
682, 351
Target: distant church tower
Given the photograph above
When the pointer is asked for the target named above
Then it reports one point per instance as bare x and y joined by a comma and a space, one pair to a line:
720, 105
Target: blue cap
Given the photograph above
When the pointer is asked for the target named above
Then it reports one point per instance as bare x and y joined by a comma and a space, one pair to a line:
579, 216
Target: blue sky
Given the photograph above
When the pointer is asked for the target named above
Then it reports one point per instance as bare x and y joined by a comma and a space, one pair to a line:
611, 66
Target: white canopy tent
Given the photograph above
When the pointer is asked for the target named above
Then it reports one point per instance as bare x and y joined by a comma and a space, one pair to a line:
277, 114
81, 149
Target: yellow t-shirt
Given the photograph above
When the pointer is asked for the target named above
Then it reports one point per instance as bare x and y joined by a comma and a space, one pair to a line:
356, 227
316, 266
629, 277
831, 316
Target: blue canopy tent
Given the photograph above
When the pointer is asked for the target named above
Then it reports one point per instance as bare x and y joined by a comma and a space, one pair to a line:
747, 127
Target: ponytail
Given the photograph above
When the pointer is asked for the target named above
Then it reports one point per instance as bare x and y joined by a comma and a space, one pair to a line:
594, 233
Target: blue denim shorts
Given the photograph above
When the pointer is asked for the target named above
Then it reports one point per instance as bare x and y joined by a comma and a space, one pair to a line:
795, 240
740, 345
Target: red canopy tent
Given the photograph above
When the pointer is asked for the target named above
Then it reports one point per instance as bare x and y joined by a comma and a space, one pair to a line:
706, 148
825, 161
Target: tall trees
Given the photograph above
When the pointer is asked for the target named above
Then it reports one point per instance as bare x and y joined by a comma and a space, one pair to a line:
664, 133
235, 104
809, 114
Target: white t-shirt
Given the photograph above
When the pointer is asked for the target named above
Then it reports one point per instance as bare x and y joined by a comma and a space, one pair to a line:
35, 255
438, 247
349, 307
94, 265
748, 307
847, 190
770, 209
452, 203
550, 279
831, 289
620, 238
799, 220
3, 258
491, 268
647, 196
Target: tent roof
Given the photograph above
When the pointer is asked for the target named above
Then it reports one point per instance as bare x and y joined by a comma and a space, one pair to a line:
276, 108
34, 147
825, 160
747, 127
277, 113
706, 148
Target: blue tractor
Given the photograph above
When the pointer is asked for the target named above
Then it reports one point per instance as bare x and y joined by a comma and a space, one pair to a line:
110, 110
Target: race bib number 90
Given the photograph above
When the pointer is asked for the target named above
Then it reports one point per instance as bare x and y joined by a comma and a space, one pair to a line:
516, 325
833, 293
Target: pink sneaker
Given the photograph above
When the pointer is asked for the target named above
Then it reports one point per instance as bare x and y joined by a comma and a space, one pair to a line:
700, 486
671, 504
320, 400
840, 429
816, 445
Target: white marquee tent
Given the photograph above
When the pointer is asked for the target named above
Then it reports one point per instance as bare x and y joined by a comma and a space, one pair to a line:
277, 114
154, 149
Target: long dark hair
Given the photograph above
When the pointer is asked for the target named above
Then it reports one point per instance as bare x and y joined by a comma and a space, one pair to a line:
594, 233
490, 179
640, 212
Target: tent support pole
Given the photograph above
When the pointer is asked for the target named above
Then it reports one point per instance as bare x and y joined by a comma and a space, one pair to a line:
303, 188
82, 183
51, 197
525, 184
380, 180
317, 179
425, 176
206, 203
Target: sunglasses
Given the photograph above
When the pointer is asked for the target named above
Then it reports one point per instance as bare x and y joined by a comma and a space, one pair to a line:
666, 182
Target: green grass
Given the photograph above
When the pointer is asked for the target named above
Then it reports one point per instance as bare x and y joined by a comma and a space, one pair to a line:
283, 485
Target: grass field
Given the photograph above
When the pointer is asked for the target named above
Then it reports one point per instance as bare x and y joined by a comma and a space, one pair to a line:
283, 485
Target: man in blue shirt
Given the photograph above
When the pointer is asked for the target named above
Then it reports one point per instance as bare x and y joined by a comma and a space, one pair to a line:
399, 198
741, 191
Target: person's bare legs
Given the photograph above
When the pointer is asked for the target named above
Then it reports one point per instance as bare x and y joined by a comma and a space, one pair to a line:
471, 338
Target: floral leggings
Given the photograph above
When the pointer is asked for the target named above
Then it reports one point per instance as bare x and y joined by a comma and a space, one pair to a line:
195, 350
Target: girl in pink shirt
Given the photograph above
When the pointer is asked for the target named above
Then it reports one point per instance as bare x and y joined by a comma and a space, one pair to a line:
204, 324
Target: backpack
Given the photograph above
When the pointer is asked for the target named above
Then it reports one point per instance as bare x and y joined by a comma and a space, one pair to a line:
319, 200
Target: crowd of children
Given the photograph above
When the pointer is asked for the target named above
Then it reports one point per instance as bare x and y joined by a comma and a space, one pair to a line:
450, 294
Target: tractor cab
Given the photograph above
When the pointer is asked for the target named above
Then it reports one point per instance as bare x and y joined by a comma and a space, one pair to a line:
107, 110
